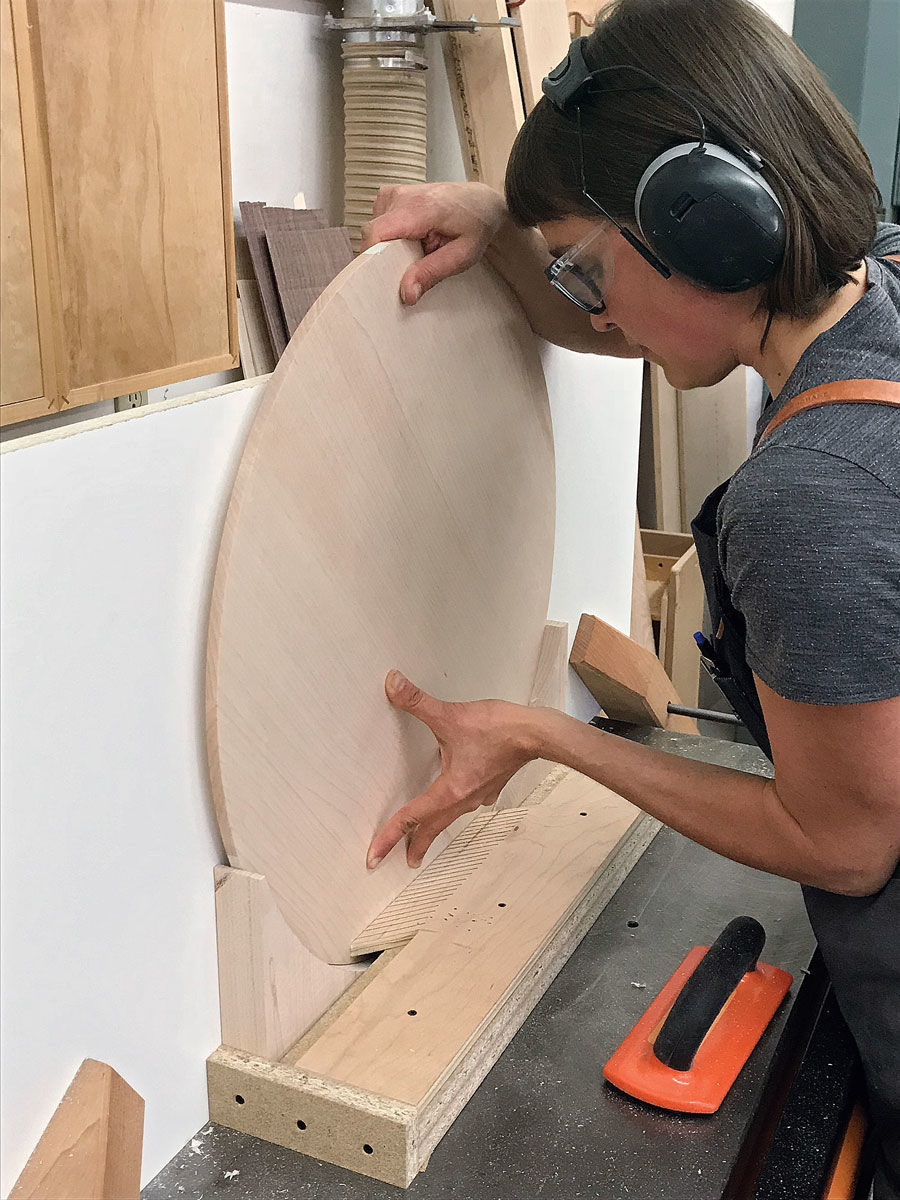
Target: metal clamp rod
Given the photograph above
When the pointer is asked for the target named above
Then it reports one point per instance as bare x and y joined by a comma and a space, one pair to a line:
417, 23
703, 714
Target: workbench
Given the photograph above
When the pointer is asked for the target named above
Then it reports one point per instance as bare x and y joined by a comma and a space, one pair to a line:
544, 1123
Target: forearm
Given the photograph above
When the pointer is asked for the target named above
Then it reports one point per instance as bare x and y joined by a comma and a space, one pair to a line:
521, 257
738, 815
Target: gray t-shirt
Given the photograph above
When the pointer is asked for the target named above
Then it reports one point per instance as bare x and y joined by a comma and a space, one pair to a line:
809, 529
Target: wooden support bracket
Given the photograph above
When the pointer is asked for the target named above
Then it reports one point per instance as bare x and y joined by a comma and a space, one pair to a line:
367, 1067
271, 988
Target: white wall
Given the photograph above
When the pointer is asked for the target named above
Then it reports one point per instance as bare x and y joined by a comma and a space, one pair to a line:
109, 537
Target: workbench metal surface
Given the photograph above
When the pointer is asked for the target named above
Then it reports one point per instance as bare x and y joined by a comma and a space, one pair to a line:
544, 1123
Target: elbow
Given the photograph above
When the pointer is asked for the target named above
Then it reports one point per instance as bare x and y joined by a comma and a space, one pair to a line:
847, 879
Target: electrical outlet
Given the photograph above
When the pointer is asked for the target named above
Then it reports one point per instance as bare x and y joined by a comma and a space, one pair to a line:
130, 400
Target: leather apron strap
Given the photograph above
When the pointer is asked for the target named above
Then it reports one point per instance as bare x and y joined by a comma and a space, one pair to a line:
844, 391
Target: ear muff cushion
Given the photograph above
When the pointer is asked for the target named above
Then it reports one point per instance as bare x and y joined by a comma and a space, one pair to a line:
712, 222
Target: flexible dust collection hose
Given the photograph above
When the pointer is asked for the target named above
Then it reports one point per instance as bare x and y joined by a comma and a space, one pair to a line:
384, 125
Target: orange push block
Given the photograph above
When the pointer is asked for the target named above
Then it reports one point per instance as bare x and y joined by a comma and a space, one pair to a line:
635, 1069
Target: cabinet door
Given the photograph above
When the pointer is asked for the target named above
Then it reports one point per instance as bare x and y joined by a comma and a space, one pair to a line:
20, 356
132, 105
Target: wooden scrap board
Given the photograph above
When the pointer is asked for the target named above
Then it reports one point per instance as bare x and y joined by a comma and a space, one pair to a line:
485, 88
262, 356
542, 41
385, 514
259, 220
305, 261
255, 233
91, 1148
628, 681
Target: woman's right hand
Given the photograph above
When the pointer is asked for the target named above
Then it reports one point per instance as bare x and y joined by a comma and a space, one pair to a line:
455, 222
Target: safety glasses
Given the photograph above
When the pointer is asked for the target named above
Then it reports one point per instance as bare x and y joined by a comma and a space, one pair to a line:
575, 280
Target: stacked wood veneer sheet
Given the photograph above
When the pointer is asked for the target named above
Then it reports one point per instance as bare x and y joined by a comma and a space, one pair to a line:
294, 255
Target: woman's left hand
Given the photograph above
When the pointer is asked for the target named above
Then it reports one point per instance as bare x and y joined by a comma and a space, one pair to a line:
482, 744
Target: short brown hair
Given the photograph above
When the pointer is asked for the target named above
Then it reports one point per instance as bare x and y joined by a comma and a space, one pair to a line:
754, 87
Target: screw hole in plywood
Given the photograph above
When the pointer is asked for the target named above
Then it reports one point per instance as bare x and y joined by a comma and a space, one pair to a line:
301, 1124
633, 924
239, 1099
584, 814
502, 904
412, 1012
368, 1149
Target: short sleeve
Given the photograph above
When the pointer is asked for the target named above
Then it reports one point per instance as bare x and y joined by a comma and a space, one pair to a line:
810, 547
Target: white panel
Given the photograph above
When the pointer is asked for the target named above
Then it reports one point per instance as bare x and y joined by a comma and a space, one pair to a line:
596, 407
285, 105
781, 11
108, 838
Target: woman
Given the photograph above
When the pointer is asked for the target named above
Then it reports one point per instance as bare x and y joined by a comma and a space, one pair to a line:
801, 549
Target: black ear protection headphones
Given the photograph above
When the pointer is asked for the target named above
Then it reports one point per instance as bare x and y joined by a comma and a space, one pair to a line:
704, 210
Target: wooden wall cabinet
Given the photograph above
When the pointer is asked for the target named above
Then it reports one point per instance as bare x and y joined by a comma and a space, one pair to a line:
117, 232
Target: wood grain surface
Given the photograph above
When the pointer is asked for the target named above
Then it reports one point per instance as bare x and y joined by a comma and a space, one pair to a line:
271, 989
20, 352
91, 1148
484, 88
406, 1030
255, 233
628, 681
394, 507
146, 257
542, 41
305, 261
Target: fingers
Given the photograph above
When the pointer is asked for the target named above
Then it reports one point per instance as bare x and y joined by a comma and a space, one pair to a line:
409, 212
419, 841
387, 197
424, 818
411, 221
452, 258
405, 695
403, 824
419, 822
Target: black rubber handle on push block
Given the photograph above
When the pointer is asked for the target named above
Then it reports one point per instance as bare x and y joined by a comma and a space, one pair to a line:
734, 952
